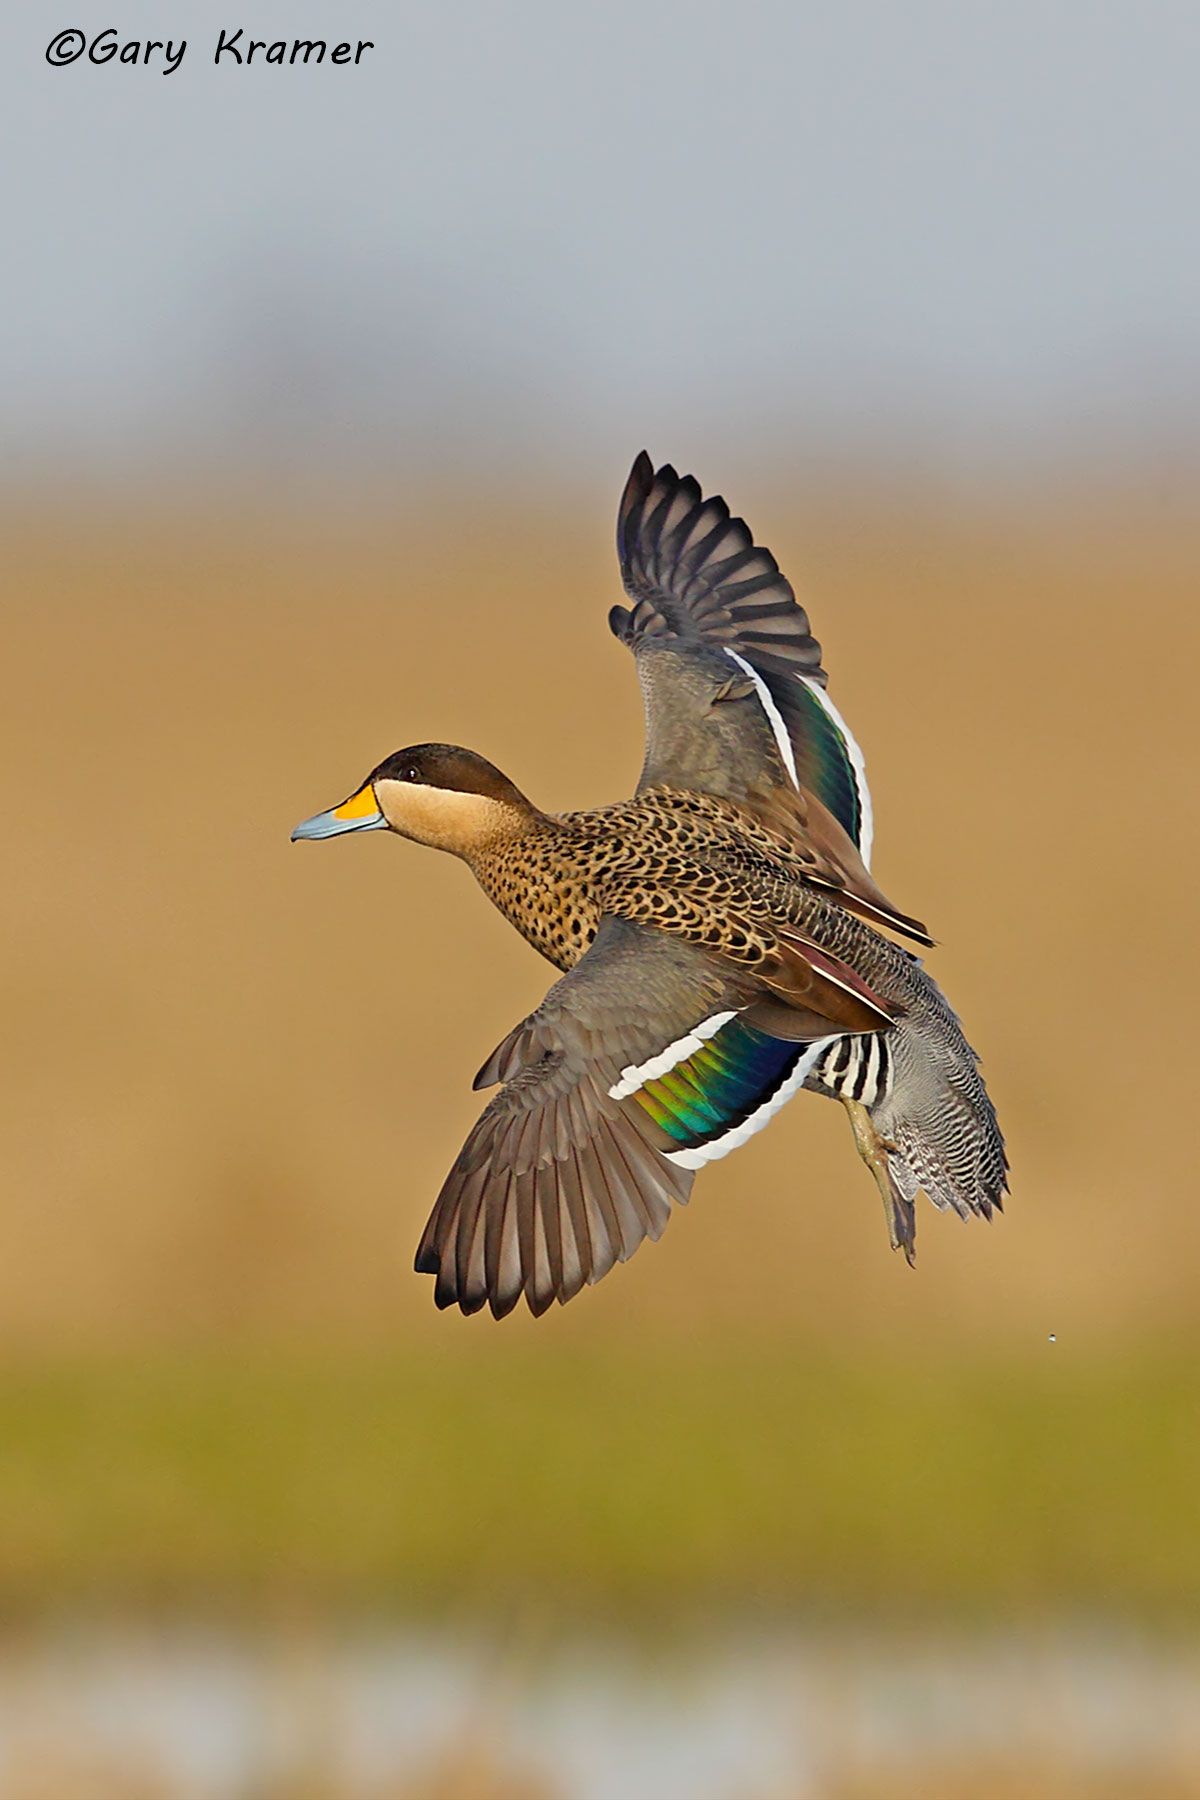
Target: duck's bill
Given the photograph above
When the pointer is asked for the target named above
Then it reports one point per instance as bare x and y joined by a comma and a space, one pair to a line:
359, 813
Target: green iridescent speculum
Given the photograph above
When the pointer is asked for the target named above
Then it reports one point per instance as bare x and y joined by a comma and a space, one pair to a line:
834, 779
719, 1085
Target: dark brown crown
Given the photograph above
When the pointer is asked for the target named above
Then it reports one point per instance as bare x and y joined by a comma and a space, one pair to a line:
448, 766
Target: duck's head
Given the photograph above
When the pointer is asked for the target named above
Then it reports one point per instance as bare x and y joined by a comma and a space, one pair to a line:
435, 794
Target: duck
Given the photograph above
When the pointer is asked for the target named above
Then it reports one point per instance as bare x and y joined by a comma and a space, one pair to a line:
721, 941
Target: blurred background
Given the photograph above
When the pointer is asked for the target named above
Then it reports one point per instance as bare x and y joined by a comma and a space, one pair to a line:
320, 386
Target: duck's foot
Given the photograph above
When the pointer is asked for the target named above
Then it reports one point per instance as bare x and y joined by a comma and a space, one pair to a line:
900, 1213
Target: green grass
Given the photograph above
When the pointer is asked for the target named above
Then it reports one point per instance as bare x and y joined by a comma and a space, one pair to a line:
642, 1486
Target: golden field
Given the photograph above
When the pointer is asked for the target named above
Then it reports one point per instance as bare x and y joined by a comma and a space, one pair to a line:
235, 1069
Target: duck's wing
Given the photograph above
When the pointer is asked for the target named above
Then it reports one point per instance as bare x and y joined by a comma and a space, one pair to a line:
648, 1059
733, 685
694, 573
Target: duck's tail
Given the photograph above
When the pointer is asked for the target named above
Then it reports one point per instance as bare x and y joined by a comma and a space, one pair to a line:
922, 1117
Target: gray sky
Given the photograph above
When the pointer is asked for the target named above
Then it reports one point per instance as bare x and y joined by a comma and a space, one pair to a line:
966, 228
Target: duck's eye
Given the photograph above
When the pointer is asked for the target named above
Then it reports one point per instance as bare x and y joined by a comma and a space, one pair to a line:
412, 773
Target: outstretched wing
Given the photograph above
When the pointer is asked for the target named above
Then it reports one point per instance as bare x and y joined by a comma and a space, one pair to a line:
695, 574
733, 686
642, 1063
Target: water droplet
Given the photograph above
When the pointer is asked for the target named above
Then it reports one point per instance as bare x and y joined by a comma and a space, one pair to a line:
1054, 1337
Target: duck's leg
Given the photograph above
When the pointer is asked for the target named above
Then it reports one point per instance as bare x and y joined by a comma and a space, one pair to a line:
900, 1213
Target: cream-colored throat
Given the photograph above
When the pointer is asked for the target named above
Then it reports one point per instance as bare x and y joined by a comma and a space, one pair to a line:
445, 818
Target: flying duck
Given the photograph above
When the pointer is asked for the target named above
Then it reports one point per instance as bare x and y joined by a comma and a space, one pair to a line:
719, 935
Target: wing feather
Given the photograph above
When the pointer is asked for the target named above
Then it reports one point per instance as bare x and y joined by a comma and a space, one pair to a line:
696, 577
559, 1179
580, 1156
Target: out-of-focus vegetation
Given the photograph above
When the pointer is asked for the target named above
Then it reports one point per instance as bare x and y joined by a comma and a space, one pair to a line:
651, 1485
482, 1774
1015, 1779
234, 1070
478, 1772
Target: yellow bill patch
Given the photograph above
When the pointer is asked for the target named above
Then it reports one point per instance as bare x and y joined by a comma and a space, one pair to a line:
359, 806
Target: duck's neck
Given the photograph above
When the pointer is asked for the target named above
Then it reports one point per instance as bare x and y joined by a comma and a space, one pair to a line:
537, 874
477, 827
466, 823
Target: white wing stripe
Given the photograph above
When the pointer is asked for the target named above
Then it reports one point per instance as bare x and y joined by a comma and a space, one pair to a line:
784, 743
774, 716
732, 1140
866, 830
636, 1076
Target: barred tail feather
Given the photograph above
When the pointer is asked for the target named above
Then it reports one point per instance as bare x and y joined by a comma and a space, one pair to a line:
929, 1157
923, 1119
939, 1124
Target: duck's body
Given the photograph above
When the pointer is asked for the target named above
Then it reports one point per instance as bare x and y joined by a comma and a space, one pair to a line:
713, 935
689, 863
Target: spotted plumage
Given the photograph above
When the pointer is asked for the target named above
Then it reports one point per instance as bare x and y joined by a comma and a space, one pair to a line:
717, 933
